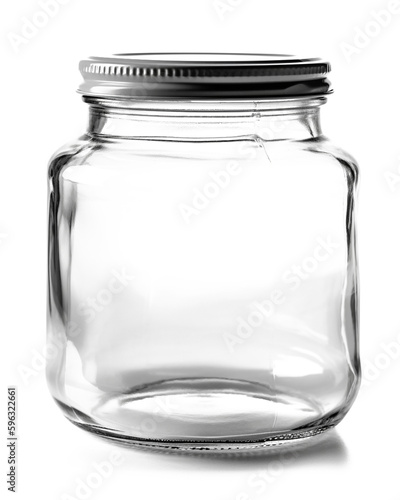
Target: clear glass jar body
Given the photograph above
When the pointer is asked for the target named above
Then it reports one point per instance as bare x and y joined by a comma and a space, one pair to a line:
202, 274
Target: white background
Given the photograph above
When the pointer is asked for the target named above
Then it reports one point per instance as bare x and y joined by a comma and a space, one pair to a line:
40, 111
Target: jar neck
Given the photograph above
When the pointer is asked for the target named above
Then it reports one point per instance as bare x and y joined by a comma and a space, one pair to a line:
286, 119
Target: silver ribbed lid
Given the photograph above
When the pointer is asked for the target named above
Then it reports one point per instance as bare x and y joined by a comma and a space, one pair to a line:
203, 76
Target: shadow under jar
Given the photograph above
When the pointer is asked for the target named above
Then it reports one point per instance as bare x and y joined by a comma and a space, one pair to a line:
202, 260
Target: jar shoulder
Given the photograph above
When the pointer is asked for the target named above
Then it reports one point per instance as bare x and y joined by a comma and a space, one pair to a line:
72, 152
324, 146
87, 149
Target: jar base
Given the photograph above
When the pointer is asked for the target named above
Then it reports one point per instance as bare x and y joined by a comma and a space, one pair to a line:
289, 439
203, 415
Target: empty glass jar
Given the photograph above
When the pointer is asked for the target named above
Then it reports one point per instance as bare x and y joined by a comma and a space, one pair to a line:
202, 257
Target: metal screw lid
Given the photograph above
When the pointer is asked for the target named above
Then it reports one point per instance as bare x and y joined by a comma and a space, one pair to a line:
203, 76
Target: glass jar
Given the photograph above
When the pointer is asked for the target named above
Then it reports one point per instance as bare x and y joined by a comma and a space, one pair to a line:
202, 257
